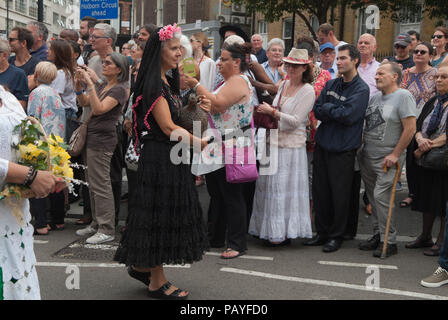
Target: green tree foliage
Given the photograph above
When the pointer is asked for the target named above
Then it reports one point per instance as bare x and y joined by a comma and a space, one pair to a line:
273, 10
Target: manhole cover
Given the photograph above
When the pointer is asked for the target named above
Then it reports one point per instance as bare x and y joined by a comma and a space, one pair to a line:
79, 249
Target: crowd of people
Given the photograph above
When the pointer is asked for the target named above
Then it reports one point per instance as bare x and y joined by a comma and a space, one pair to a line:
327, 115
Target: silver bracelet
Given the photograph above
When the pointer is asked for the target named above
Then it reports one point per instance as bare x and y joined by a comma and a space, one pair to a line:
196, 86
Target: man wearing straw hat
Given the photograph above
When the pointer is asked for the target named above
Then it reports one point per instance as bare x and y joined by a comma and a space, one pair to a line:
390, 126
340, 107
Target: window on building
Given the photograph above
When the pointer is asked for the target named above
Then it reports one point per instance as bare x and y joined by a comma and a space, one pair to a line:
410, 17
21, 6
20, 24
33, 8
287, 29
55, 18
63, 22
182, 11
262, 27
160, 13
10, 25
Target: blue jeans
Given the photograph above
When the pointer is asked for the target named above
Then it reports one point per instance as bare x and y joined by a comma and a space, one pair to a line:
443, 256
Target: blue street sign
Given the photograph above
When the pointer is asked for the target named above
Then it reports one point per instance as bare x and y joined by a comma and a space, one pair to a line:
100, 9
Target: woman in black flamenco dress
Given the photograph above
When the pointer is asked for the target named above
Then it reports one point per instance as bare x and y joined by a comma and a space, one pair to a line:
165, 223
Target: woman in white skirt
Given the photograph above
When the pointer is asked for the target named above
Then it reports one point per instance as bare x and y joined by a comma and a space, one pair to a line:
281, 202
18, 277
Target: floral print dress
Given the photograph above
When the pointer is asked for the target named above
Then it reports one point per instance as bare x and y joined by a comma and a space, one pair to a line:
238, 116
45, 104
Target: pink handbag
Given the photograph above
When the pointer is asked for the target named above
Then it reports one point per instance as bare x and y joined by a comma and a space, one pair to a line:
240, 162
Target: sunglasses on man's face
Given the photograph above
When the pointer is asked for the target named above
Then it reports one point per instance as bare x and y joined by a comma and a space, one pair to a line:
400, 47
438, 36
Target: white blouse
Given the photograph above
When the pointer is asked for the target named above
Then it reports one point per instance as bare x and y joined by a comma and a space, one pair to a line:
207, 68
294, 113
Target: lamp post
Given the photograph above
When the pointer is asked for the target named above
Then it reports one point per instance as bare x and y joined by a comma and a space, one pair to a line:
40, 10
7, 18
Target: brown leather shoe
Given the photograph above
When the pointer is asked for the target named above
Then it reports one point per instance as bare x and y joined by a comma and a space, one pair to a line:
434, 251
419, 243
83, 221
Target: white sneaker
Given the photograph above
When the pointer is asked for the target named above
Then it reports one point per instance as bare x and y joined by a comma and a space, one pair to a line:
86, 231
99, 237
437, 279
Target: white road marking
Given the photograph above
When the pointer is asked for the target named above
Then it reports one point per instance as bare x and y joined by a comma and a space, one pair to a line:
242, 257
96, 265
336, 284
399, 238
361, 265
40, 241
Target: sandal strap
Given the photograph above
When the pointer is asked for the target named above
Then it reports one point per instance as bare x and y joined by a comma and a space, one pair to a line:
165, 287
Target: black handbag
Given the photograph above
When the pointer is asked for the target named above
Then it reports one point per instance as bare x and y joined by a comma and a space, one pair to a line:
436, 159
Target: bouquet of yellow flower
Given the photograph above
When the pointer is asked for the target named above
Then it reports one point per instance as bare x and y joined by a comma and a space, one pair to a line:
37, 150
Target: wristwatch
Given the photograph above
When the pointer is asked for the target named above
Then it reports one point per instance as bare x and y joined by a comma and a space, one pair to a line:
99, 81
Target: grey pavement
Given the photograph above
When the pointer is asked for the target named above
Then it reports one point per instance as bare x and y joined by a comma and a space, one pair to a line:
296, 272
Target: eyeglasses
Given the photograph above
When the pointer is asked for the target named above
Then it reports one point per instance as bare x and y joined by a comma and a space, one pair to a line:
438, 36
107, 62
422, 52
397, 46
97, 37
12, 39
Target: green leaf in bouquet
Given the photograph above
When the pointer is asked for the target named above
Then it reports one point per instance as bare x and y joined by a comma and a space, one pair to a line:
44, 146
56, 160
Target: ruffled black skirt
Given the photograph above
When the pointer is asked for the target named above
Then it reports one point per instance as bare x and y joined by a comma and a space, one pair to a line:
165, 223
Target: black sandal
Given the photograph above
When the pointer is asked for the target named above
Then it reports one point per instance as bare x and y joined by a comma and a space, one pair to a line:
405, 204
160, 293
140, 276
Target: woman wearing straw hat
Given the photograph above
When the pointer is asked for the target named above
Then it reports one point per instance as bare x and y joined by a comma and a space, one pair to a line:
281, 203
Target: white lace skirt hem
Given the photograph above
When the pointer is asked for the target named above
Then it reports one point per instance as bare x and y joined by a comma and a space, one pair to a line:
281, 204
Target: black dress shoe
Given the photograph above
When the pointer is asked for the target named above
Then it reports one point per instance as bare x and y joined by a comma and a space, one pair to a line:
370, 244
316, 241
332, 245
391, 249
141, 276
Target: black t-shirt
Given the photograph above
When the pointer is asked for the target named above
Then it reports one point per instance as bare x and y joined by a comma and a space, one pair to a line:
28, 67
406, 63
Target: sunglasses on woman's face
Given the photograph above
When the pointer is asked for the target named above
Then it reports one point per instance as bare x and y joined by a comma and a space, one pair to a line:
422, 52
291, 65
438, 36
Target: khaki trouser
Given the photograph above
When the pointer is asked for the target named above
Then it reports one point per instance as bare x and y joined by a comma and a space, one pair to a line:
378, 186
100, 187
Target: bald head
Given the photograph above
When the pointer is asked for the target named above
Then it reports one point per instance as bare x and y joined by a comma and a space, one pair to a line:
367, 45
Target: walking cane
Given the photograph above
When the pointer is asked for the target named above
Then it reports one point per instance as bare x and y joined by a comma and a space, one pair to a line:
391, 206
